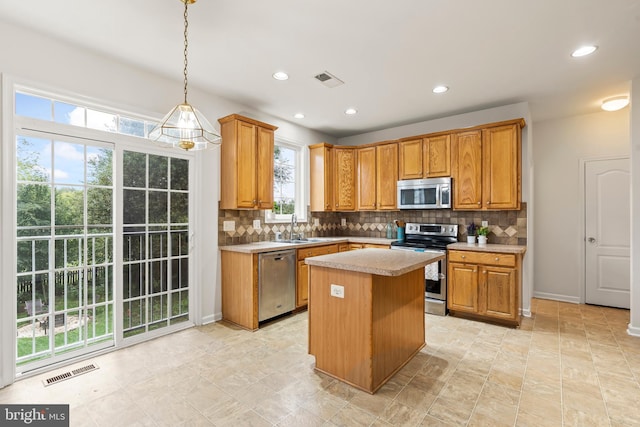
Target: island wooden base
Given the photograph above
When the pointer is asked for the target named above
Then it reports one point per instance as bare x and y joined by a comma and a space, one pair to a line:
371, 333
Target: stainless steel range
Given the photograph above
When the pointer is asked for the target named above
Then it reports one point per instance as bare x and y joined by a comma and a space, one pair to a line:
431, 238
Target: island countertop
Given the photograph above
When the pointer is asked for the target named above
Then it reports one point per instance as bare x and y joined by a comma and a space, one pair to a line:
383, 262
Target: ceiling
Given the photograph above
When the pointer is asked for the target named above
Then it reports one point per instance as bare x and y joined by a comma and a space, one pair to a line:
389, 54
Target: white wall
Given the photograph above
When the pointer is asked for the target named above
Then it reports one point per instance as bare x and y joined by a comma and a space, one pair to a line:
634, 325
559, 146
29, 57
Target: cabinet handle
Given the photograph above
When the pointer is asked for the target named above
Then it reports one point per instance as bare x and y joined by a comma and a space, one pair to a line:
484, 272
488, 202
497, 259
328, 206
253, 201
479, 203
464, 256
475, 271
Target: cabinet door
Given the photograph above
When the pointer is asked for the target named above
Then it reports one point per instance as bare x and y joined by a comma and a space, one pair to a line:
410, 163
498, 293
302, 284
321, 178
367, 179
386, 176
437, 156
345, 179
246, 164
265, 168
501, 165
466, 165
463, 287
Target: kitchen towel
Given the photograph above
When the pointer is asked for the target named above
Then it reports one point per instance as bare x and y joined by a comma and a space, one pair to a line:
431, 272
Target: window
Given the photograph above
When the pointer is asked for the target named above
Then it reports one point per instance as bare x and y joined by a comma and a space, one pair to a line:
80, 195
287, 183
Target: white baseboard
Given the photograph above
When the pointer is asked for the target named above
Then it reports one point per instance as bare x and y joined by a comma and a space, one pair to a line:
211, 318
633, 330
525, 313
557, 297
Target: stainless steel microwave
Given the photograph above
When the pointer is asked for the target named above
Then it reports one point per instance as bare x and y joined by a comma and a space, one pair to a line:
429, 193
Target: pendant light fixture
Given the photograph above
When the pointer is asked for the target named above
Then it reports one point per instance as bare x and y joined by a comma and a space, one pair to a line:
185, 127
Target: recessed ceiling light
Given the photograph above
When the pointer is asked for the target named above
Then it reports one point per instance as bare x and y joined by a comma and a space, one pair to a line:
584, 51
298, 116
280, 75
616, 103
440, 89
350, 111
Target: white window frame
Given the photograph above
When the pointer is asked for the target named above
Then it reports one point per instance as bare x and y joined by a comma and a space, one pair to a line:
301, 186
10, 126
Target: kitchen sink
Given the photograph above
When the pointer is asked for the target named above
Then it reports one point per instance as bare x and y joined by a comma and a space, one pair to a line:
303, 240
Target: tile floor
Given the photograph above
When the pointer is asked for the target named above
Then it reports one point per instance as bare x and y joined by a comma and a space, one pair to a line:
567, 365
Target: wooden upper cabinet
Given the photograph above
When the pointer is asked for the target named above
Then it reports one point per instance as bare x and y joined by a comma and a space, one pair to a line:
246, 163
486, 167
436, 153
501, 166
344, 190
427, 157
387, 177
377, 177
367, 179
321, 177
466, 162
411, 159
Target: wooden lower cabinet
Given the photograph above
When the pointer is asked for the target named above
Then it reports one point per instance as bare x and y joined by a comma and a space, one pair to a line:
240, 288
302, 273
485, 285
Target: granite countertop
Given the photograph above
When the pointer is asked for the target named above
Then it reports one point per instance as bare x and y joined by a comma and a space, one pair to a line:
489, 247
270, 246
382, 262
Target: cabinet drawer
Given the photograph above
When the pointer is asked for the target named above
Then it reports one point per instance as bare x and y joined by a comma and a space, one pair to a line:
317, 250
486, 258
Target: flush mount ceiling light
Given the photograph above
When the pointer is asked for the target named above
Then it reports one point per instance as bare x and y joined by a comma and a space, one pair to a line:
185, 127
350, 111
298, 116
615, 103
280, 75
584, 51
440, 89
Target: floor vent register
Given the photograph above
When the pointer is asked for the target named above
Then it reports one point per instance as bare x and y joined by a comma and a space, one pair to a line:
70, 374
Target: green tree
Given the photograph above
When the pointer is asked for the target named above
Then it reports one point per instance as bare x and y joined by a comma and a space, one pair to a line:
282, 175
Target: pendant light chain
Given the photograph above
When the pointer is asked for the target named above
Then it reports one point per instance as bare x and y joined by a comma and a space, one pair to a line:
186, 46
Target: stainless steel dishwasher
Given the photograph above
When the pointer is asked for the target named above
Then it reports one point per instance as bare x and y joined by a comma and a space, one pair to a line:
276, 283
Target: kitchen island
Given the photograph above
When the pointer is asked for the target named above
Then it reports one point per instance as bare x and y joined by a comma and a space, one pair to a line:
366, 313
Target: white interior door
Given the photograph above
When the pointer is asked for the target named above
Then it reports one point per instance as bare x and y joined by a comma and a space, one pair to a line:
607, 232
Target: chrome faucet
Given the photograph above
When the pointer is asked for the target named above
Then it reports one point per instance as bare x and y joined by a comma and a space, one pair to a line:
294, 222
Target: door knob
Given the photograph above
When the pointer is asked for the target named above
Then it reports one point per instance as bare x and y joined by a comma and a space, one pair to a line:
591, 240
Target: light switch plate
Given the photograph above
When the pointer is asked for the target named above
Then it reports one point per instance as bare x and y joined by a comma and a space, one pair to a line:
337, 291
316, 222
228, 226
485, 223
343, 222
256, 224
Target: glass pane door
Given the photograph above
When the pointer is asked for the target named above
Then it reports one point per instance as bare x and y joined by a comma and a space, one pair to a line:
65, 242
155, 242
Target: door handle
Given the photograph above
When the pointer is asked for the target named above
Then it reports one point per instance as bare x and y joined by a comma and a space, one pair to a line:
591, 240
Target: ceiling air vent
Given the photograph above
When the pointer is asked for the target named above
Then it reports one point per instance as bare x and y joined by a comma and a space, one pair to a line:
328, 79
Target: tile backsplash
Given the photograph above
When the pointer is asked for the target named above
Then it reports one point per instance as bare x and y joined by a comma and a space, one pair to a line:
505, 227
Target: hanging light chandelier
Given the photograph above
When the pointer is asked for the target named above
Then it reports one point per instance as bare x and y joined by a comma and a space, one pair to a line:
185, 127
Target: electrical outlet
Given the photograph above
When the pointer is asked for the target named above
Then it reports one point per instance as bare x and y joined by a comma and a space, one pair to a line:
256, 224
485, 223
316, 222
337, 291
228, 226
343, 222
